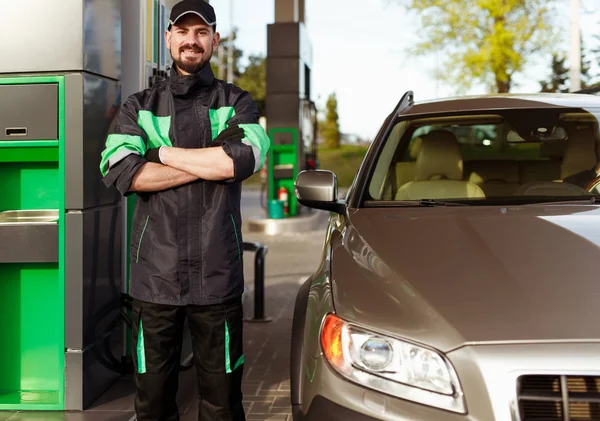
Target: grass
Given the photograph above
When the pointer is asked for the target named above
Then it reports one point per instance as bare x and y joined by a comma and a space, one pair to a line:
253, 180
344, 162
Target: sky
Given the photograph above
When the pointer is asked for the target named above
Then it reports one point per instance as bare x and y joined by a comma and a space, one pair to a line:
359, 53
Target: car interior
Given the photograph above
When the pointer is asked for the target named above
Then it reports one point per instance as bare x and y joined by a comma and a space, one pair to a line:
510, 153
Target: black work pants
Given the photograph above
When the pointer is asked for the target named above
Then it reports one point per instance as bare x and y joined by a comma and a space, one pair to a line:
216, 333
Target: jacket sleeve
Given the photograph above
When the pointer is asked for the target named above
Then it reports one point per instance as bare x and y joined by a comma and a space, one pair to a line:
125, 148
248, 155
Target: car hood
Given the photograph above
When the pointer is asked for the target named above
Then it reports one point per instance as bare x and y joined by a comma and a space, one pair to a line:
452, 276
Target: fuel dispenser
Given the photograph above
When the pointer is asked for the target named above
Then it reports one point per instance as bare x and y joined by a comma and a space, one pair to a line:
291, 114
61, 230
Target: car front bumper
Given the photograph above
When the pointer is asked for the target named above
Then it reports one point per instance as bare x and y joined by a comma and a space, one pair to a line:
488, 375
324, 409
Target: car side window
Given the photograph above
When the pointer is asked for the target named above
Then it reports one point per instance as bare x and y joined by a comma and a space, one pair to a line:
378, 183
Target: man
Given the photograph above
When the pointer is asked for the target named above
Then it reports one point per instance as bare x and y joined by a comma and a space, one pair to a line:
184, 146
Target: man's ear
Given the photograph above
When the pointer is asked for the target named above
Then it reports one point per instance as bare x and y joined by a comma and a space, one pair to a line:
216, 40
168, 39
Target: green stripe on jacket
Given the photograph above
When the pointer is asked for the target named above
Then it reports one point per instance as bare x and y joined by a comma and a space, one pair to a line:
118, 146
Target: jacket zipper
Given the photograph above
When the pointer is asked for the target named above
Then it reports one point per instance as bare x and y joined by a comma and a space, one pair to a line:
236, 237
137, 257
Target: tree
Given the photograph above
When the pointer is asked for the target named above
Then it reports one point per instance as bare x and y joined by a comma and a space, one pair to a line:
330, 129
558, 77
486, 40
586, 67
254, 80
219, 58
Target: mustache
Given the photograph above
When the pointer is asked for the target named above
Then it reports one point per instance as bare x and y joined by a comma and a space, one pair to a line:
195, 48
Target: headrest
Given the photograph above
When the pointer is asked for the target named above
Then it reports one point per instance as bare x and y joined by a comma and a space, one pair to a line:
415, 147
580, 153
493, 171
439, 157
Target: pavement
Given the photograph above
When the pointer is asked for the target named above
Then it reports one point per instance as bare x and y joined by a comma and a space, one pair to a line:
290, 259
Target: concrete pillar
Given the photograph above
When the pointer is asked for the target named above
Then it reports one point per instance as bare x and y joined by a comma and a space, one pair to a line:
301, 11
289, 59
286, 11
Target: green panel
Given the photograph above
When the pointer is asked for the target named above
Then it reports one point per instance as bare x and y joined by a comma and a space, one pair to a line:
31, 356
29, 154
27, 143
283, 155
10, 320
34, 79
60, 329
30, 185
32, 365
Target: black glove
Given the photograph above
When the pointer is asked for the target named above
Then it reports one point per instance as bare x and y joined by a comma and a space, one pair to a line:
152, 155
233, 133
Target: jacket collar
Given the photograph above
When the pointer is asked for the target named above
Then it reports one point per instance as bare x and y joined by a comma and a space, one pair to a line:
182, 85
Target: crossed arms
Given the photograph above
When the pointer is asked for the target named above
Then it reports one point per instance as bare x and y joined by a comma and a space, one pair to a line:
135, 160
182, 166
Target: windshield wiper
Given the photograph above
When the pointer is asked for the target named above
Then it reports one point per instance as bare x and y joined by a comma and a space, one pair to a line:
435, 203
417, 203
594, 200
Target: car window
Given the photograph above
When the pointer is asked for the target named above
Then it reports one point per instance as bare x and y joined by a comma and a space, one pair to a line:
512, 153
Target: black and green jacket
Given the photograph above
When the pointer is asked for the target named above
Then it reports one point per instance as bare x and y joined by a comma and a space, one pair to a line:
186, 242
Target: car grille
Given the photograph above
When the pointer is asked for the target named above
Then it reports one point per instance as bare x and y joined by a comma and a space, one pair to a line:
559, 398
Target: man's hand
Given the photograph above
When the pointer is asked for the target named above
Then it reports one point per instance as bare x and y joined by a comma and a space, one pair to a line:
233, 133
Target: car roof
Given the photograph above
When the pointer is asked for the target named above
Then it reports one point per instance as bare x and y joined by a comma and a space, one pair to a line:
502, 102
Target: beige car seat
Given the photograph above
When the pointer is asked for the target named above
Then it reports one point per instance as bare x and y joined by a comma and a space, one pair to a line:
580, 154
496, 178
439, 171
406, 170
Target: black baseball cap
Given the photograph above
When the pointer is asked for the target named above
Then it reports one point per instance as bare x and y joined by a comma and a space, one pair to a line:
197, 7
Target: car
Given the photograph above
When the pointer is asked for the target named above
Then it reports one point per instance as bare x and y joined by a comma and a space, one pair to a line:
458, 278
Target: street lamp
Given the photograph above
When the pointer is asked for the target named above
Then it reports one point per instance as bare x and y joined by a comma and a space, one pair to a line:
575, 50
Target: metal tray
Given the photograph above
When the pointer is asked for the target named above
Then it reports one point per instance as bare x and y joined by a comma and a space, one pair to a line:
33, 216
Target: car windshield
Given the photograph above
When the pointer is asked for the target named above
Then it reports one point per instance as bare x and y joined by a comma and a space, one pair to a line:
504, 156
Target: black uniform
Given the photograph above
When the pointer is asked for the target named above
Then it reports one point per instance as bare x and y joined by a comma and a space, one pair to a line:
186, 242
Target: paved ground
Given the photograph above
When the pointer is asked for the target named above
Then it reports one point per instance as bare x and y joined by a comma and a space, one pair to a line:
290, 259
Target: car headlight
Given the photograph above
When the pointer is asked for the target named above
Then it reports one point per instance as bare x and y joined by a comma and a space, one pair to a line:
391, 366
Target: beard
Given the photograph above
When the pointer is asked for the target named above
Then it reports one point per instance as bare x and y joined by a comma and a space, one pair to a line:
191, 67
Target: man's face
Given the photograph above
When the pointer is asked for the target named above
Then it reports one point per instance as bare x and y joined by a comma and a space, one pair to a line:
191, 43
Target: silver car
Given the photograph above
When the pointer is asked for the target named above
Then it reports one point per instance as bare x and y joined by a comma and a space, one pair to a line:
458, 279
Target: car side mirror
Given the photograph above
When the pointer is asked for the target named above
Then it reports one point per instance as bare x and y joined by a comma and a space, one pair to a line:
318, 190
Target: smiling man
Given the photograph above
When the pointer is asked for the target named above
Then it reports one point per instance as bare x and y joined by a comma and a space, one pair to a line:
183, 147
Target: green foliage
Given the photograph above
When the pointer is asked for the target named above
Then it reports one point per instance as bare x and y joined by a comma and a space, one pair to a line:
330, 128
343, 161
586, 67
596, 52
254, 80
219, 58
559, 76
485, 40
